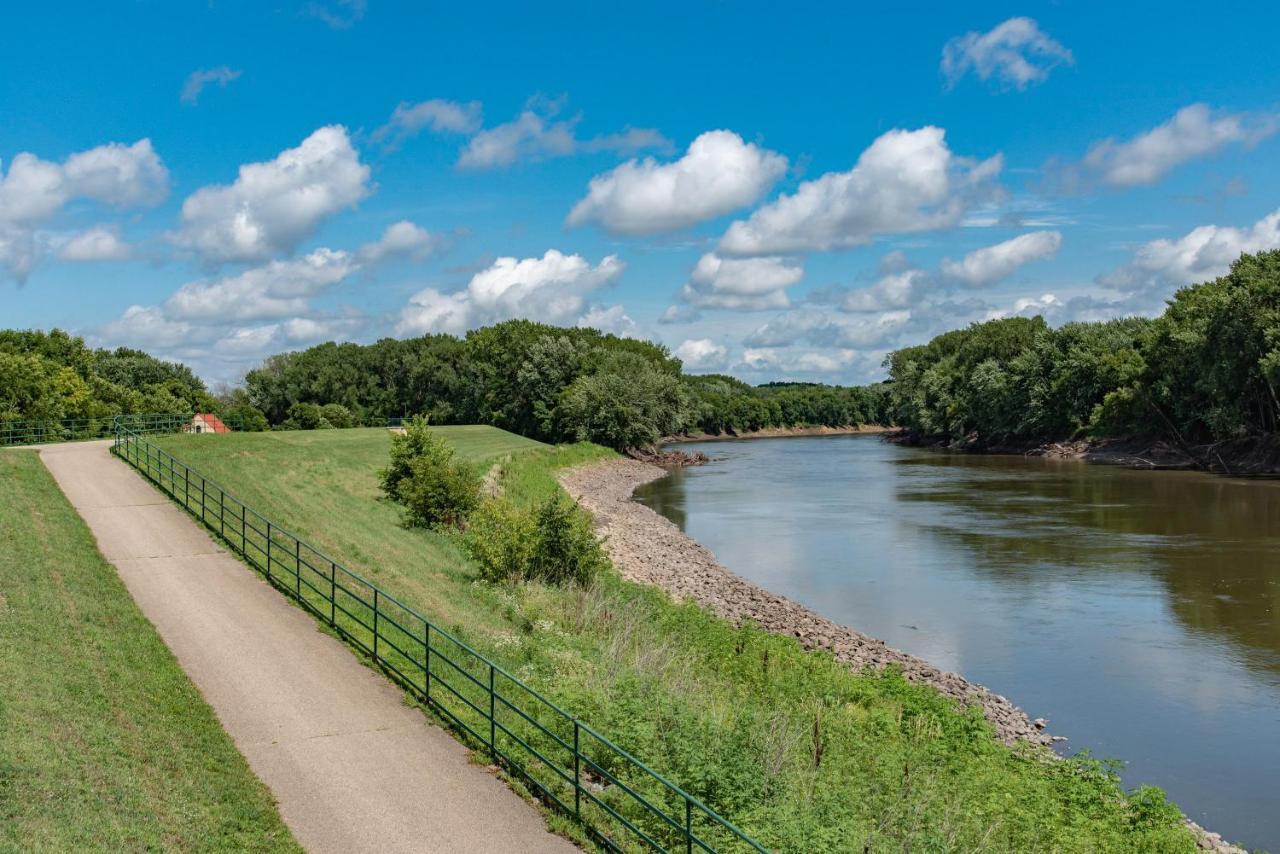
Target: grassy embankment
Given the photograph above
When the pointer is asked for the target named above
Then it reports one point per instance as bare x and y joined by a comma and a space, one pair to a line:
104, 742
797, 749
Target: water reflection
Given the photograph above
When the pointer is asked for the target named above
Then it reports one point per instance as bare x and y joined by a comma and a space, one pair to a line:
1137, 610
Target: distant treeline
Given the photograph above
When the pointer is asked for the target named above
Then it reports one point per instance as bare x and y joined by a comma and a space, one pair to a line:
1206, 370
52, 376
545, 382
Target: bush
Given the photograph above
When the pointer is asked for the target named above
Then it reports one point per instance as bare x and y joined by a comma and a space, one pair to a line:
553, 542
500, 539
304, 416
436, 489
246, 418
337, 415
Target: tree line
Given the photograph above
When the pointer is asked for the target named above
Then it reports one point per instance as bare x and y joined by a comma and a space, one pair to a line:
1204, 371
546, 382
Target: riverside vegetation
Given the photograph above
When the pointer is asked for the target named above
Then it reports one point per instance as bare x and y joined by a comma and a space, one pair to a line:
798, 749
104, 742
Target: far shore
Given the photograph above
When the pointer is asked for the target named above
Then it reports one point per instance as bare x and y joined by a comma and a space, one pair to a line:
776, 433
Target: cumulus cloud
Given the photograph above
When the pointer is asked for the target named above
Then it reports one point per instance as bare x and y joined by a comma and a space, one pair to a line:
100, 243
822, 328
277, 289
402, 239
536, 134
1203, 253
34, 190
789, 361
906, 181
274, 205
993, 263
702, 354
893, 290
741, 283
1194, 131
613, 319
719, 173
552, 289
200, 78
436, 115
1017, 53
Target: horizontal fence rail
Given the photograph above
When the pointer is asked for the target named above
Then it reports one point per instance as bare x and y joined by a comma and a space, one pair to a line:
564, 761
32, 432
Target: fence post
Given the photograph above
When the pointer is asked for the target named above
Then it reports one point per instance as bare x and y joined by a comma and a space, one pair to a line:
426, 664
688, 825
375, 625
222, 514
333, 594
493, 720
268, 550
244, 540
202, 482
186, 488
577, 773
297, 567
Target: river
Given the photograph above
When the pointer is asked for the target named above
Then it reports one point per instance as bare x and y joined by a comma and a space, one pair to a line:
1138, 611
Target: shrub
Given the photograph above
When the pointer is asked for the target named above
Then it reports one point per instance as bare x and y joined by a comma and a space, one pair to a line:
553, 542
337, 415
436, 489
500, 539
304, 416
246, 418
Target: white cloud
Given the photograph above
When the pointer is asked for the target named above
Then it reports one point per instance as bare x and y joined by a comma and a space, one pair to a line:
717, 175
33, 191
741, 283
97, 244
337, 14
536, 135
401, 239
823, 329
437, 115
906, 181
551, 289
1194, 131
702, 354
993, 263
274, 205
612, 319
277, 289
791, 361
197, 80
1203, 253
900, 289
1016, 52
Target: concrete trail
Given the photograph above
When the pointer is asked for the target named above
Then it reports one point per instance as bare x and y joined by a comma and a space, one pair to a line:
352, 767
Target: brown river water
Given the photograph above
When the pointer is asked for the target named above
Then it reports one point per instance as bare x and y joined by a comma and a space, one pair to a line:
1138, 611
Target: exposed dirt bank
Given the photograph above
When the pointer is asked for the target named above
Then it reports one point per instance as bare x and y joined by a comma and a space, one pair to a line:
776, 433
1257, 456
648, 548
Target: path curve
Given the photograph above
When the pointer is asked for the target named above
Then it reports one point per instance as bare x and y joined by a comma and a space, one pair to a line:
352, 766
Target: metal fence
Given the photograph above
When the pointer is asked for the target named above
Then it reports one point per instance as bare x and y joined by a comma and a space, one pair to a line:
31, 432
622, 802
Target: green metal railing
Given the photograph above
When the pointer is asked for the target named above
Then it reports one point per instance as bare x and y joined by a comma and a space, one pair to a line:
32, 432
622, 802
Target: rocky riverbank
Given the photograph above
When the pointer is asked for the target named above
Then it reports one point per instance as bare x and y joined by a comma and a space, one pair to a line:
648, 548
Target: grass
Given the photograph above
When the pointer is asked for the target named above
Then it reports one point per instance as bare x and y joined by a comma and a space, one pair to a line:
104, 742
800, 751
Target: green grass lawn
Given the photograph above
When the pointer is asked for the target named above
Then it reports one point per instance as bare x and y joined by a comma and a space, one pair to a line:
800, 751
104, 742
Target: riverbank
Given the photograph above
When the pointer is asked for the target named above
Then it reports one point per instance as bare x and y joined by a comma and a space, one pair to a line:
776, 433
647, 548
1257, 456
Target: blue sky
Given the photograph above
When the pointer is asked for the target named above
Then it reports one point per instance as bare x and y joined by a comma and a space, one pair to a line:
775, 194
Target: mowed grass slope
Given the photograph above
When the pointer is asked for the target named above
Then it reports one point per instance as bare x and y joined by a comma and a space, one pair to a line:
104, 742
800, 751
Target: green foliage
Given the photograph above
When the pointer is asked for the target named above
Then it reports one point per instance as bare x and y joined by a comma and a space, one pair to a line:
1205, 370
565, 547
336, 415
626, 403
436, 489
54, 376
500, 539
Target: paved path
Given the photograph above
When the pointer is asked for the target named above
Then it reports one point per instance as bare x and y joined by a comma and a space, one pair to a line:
352, 767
